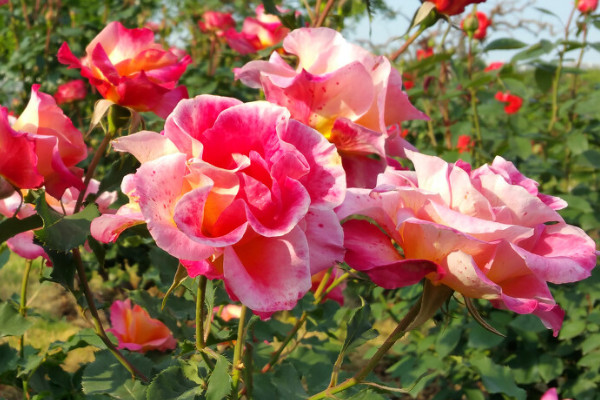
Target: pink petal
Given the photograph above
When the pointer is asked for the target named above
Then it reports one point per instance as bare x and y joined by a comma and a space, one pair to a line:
145, 145
159, 185
269, 274
325, 239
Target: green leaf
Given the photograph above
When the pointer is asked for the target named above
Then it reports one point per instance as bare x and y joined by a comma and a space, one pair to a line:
61, 232
544, 74
497, 378
8, 358
13, 226
359, 328
504, 44
126, 164
592, 342
4, 255
591, 360
447, 340
288, 383
577, 142
173, 384
550, 367
107, 375
63, 268
11, 322
539, 49
219, 383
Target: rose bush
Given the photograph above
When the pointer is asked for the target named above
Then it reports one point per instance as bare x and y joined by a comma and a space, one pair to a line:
348, 94
239, 192
486, 233
127, 67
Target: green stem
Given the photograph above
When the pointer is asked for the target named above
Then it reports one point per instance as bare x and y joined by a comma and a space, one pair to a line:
408, 42
319, 296
389, 342
323, 15
23, 303
92, 168
200, 343
98, 328
237, 355
555, 81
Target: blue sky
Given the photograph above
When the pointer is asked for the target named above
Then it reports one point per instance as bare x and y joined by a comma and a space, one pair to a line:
382, 29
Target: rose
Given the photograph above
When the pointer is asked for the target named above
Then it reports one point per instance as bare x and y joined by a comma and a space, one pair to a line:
136, 330
70, 91
258, 33
237, 191
514, 102
58, 145
453, 7
215, 21
17, 158
424, 53
348, 94
587, 6
129, 68
486, 233
480, 31
465, 144
551, 394
494, 66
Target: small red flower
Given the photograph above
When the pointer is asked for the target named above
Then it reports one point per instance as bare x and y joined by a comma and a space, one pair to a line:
424, 53
587, 6
215, 21
514, 102
465, 144
408, 80
494, 66
453, 7
70, 91
482, 24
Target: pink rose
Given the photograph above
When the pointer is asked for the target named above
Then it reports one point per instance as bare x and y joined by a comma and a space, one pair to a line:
215, 21
465, 144
137, 331
59, 146
70, 91
239, 192
258, 33
551, 394
17, 158
348, 94
494, 66
130, 69
486, 233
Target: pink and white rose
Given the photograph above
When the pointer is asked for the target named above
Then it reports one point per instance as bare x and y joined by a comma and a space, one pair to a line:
348, 94
240, 192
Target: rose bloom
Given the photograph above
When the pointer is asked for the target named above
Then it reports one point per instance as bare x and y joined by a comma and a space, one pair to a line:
23, 244
217, 22
587, 6
337, 293
482, 24
551, 394
58, 146
258, 33
453, 7
17, 158
486, 233
348, 94
70, 91
239, 192
514, 102
136, 330
464, 144
494, 66
130, 69
424, 53
228, 312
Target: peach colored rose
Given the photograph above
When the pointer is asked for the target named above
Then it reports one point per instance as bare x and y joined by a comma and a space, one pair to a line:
137, 331
130, 69
486, 233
